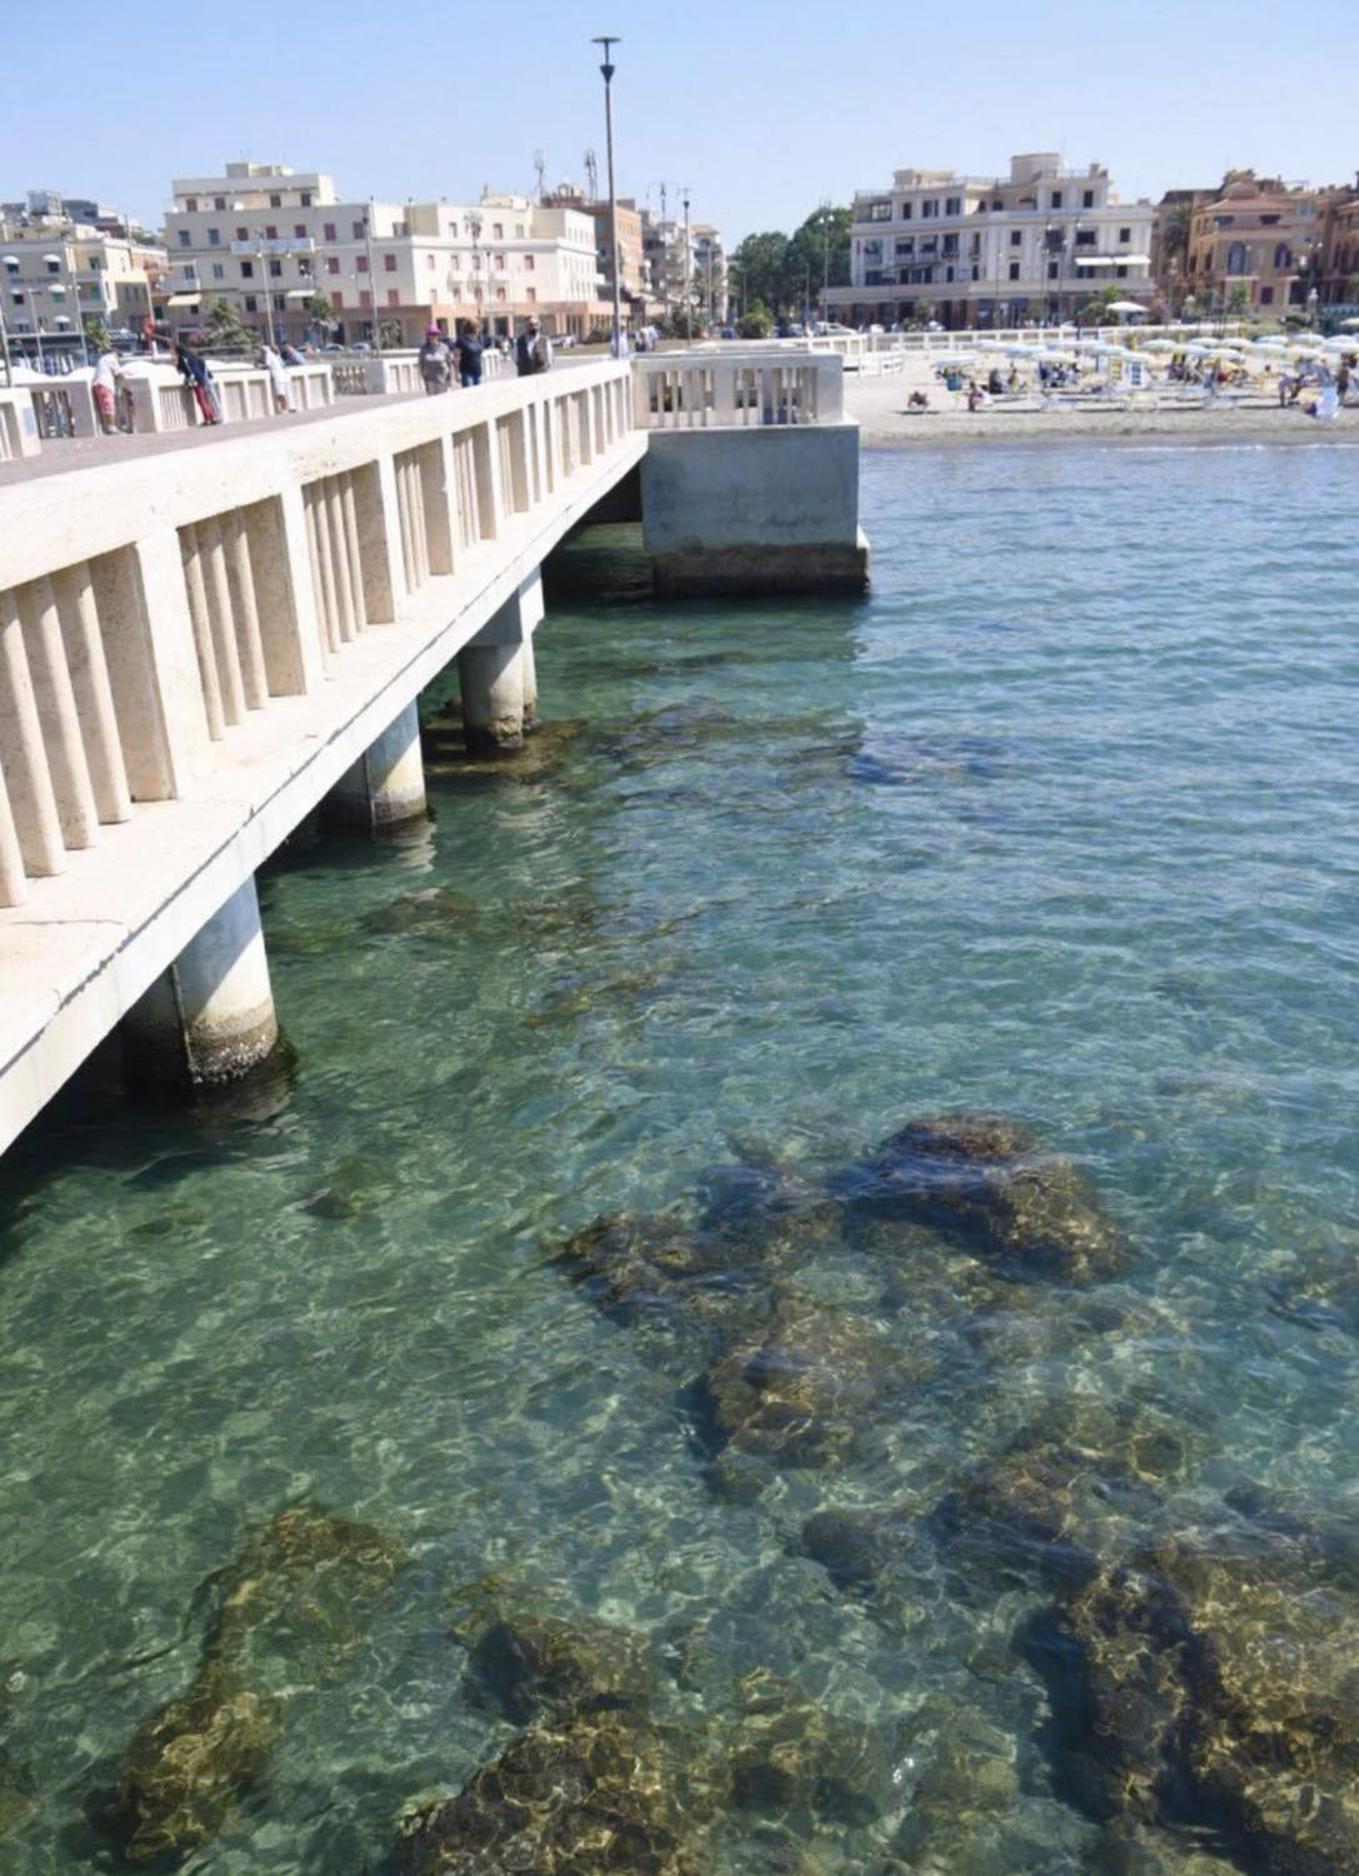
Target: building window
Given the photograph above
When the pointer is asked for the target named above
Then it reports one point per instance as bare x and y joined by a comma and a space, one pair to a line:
184, 237
1236, 258
394, 296
300, 230
270, 231
332, 263
1056, 198
879, 211
337, 298
906, 211
954, 205
305, 198
247, 270
929, 209
250, 303
531, 295
1125, 235
1283, 259
1122, 272
1053, 270
498, 231
1016, 237
276, 270
361, 264
429, 263
1266, 296
1014, 270
365, 297
500, 293
304, 266
389, 263
519, 230
1088, 199
328, 230
191, 204
218, 271
214, 237
500, 262
906, 249
1085, 237
358, 229
242, 234
528, 263
276, 201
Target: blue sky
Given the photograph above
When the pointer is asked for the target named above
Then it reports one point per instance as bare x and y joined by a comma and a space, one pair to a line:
763, 107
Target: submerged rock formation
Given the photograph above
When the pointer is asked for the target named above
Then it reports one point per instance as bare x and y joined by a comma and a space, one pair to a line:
790, 1758
524, 1664
986, 1183
288, 1608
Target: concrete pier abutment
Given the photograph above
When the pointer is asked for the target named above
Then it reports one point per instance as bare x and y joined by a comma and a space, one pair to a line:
498, 675
209, 1019
385, 788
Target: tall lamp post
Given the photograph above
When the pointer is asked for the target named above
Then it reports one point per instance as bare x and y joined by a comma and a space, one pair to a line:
606, 40
688, 263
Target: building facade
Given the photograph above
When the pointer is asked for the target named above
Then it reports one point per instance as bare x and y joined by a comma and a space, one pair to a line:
1339, 284
62, 277
634, 275
967, 251
1256, 244
285, 253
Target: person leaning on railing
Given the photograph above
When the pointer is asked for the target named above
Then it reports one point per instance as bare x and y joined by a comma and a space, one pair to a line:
533, 353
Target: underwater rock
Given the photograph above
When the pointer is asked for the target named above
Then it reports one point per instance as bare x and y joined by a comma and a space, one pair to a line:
286, 1609
788, 1756
433, 912
986, 1183
804, 1391
856, 1549
1024, 1517
1212, 1684
358, 1182
523, 1664
189, 1766
963, 1792
589, 1794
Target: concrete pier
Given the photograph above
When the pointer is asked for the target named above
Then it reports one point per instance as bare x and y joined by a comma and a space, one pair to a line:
530, 675
209, 1018
385, 788
492, 680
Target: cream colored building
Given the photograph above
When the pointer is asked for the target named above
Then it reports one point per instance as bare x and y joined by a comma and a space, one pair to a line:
967, 251
273, 242
60, 276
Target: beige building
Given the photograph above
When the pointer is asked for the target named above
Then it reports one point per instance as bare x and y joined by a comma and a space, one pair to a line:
967, 251
281, 248
1340, 251
1255, 244
61, 276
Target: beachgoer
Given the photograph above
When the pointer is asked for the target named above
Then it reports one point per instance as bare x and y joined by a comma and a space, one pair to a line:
194, 371
108, 377
533, 352
436, 362
470, 346
278, 379
974, 395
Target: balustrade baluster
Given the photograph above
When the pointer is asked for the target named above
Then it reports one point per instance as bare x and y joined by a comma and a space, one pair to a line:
320, 537
213, 556
88, 669
333, 509
58, 715
241, 579
350, 520
23, 756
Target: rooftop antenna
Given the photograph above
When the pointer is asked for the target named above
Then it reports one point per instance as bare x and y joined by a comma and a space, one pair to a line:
591, 176
540, 171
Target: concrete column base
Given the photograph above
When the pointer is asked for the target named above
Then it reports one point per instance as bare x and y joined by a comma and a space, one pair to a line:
210, 1018
699, 572
386, 787
492, 680
530, 673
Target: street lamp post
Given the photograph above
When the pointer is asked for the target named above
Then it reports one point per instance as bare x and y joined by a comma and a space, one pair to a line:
606, 40
372, 278
825, 257
688, 262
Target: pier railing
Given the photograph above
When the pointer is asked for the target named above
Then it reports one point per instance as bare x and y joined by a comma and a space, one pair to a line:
722, 389
154, 627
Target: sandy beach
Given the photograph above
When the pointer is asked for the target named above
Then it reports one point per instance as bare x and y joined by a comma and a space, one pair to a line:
880, 406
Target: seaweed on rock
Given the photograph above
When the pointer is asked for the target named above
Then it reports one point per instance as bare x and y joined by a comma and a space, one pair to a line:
293, 1602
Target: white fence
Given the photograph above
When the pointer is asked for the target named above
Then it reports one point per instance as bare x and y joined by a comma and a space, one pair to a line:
735, 389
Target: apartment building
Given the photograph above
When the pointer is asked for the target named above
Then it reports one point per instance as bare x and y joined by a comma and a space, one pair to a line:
969, 251
634, 275
1339, 284
59, 276
283, 251
1255, 244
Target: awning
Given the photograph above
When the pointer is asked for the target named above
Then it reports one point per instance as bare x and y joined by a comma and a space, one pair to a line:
184, 299
300, 293
1113, 260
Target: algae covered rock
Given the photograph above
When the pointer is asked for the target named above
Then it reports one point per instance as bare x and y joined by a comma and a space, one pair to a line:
788, 1756
523, 1664
1019, 1518
985, 1182
802, 1393
591, 1793
287, 1609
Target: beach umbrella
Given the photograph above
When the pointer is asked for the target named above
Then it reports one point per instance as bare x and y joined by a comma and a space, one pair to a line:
1125, 306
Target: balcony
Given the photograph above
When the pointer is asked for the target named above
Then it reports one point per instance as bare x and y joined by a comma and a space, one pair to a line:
299, 244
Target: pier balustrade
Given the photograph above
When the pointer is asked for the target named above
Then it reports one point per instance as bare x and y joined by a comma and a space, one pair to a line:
723, 389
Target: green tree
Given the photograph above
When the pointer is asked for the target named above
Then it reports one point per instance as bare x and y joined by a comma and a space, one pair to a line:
762, 261
322, 312
223, 331
755, 322
1238, 300
96, 335
821, 244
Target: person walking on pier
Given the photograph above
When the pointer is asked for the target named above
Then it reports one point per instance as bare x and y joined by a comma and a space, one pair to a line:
436, 362
533, 353
470, 347
194, 371
108, 378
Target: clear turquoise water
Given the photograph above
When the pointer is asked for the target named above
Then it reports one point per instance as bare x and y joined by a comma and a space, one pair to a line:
1060, 822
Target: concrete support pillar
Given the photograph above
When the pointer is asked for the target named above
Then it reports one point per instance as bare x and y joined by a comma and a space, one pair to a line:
386, 786
530, 673
210, 1018
492, 681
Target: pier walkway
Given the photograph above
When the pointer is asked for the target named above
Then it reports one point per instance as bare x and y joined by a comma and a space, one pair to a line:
199, 647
